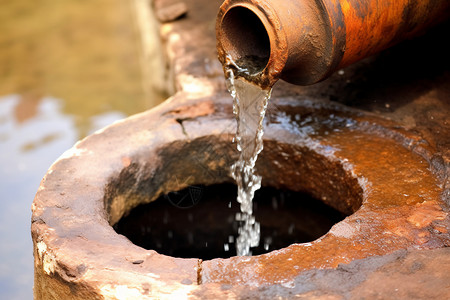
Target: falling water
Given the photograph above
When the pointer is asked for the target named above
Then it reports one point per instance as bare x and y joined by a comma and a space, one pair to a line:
249, 108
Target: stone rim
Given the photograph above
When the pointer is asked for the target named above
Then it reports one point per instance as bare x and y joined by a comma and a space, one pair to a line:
63, 246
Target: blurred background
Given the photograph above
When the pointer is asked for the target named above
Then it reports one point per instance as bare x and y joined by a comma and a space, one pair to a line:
67, 69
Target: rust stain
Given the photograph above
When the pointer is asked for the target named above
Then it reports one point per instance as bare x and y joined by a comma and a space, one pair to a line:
425, 213
401, 204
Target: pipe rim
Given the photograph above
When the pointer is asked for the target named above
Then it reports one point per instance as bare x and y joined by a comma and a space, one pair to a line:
271, 72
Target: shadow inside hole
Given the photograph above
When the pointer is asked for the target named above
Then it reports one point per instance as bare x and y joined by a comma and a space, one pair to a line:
199, 222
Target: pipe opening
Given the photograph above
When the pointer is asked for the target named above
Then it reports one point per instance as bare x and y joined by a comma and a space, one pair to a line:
245, 38
199, 221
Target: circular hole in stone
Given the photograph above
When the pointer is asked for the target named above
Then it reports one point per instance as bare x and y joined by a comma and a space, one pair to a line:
136, 206
199, 221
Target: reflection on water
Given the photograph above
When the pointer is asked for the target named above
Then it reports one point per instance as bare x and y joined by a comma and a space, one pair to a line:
67, 68
84, 52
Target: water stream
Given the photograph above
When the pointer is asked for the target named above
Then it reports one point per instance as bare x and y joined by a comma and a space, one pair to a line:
249, 107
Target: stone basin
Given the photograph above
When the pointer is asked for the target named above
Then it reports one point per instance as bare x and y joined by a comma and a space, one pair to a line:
361, 165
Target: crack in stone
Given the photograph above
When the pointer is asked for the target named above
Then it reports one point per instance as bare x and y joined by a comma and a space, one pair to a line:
199, 272
180, 121
37, 220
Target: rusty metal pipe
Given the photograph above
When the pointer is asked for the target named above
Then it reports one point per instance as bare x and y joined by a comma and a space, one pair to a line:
305, 41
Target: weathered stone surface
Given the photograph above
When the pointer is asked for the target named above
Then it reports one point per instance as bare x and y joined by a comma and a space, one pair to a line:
338, 156
171, 12
391, 174
413, 274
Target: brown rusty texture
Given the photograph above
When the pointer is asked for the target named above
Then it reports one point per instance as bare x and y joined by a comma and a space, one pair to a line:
372, 26
379, 152
309, 40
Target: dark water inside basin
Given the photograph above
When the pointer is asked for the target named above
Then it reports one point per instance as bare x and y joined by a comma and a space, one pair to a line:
199, 222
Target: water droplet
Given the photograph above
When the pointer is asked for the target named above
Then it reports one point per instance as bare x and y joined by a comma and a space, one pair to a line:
291, 229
